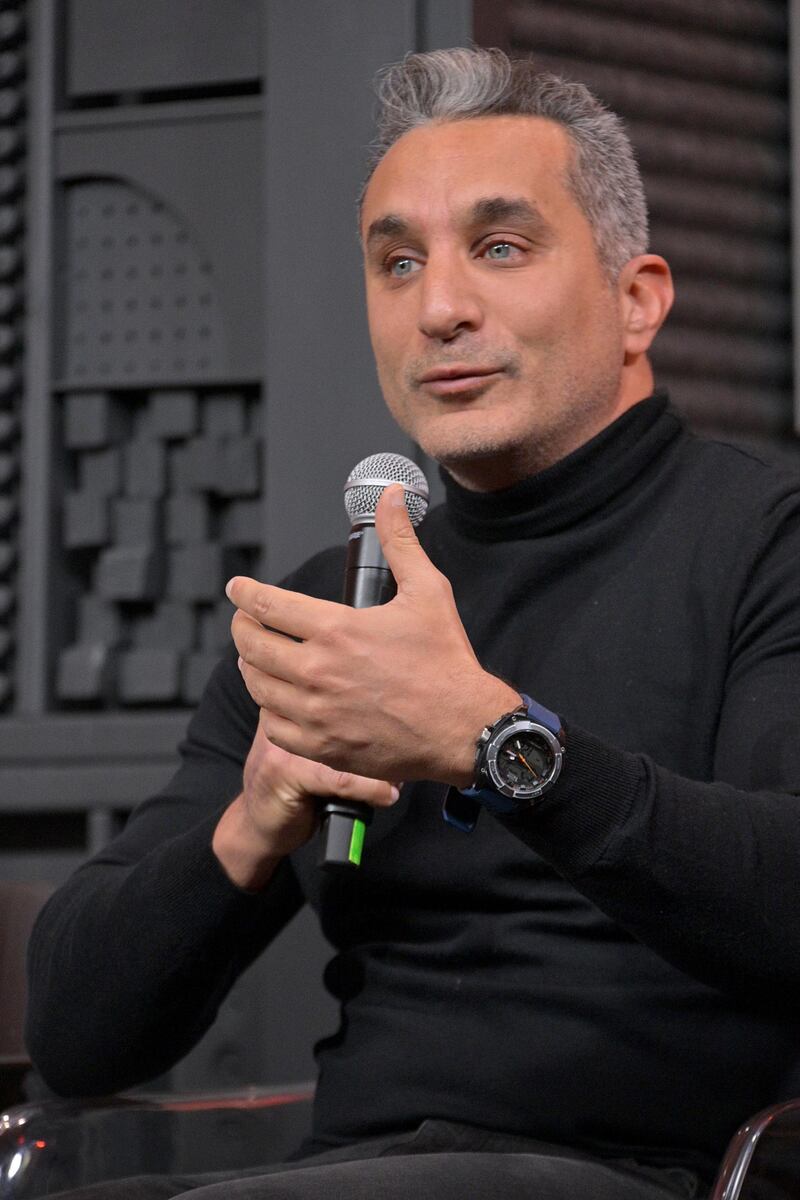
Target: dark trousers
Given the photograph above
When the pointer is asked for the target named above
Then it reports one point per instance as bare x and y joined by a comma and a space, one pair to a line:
439, 1161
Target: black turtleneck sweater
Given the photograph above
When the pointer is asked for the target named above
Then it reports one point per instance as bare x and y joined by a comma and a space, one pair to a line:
619, 970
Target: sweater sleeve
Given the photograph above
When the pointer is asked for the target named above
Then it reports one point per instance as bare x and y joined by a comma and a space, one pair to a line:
131, 958
703, 871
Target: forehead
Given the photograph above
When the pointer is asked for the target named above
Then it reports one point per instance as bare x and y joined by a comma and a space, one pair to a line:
444, 167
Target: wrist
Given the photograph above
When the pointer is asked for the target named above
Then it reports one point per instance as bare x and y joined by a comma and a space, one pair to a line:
241, 849
482, 707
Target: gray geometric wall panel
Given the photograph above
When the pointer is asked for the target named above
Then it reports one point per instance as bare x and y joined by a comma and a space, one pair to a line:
119, 46
138, 297
12, 232
207, 174
163, 507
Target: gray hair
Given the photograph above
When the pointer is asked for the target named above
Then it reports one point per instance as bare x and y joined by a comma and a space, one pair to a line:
461, 84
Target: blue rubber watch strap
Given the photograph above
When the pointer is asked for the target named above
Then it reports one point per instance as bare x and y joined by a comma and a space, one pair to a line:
537, 712
495, 801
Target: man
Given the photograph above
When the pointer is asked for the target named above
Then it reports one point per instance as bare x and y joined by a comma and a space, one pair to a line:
584, 996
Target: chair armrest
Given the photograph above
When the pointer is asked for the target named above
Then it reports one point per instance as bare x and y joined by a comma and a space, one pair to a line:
762, 1161
61, 1144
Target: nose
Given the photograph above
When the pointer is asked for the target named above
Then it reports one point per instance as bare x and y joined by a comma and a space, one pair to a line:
449, 303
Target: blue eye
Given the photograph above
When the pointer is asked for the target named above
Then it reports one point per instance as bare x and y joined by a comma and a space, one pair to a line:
401, 267
500, 251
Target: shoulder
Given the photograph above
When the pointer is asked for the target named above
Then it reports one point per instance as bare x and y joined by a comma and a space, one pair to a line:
737, 511
757, 464
734, 479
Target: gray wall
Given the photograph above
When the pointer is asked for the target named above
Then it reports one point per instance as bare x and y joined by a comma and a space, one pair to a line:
186, 381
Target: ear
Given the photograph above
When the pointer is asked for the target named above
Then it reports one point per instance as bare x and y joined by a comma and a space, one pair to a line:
646, 292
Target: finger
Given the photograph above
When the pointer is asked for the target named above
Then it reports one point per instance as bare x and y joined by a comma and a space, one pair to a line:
317, 779
287, 612
267, 652
283, 733
345, 785
275, 695
400, 544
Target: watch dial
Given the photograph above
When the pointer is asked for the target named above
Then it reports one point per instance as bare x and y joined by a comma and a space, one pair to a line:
524, 761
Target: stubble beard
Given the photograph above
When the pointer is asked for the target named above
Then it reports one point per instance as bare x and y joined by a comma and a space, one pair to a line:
560, 419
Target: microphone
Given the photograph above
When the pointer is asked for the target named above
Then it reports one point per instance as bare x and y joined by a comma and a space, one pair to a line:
367, 581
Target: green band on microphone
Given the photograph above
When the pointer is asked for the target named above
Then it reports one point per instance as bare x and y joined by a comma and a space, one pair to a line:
356, 843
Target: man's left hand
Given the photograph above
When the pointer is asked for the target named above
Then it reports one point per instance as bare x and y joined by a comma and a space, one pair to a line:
392, 692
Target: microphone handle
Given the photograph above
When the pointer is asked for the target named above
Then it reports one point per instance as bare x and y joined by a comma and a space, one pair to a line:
367, 582
367, 578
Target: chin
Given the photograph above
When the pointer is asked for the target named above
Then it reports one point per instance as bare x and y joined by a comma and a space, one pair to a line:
473, 442
453, 457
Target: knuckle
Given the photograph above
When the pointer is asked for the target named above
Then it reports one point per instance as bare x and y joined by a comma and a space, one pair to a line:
440, 589
238, 627
244, 639
444, 586
262, 605
313, 708
327, 632
329, 645
275, 738
244, 658
312, 669
254, 685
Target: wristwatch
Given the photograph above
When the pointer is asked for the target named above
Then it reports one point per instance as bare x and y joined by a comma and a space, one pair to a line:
518, 759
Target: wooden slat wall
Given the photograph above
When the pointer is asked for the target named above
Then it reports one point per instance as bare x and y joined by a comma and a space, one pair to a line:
703, 89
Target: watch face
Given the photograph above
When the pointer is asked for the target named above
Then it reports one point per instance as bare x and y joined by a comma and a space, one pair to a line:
524, 761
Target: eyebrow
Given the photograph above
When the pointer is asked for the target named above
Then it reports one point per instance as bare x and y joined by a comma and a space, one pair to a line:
484, 211
386, 227
503, 208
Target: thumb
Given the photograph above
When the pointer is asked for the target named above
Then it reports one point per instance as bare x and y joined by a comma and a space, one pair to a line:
400, 544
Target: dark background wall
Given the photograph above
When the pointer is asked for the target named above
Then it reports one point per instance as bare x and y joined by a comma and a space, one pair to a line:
704, 90
185, 375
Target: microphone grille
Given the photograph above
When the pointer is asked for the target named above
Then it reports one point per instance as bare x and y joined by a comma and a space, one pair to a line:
367, 480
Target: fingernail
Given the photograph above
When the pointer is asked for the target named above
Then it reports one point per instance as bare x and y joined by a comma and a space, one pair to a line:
397, 496
395, 795
240, 662
229, 586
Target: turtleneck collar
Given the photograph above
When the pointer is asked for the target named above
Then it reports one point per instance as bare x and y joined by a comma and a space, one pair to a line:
575, 486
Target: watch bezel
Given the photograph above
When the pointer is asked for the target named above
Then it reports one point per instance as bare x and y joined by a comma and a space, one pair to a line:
521, 724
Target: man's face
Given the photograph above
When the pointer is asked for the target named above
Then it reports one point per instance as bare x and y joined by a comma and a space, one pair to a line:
497, 335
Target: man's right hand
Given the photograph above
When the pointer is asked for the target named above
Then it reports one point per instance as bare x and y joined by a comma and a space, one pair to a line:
277, 810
